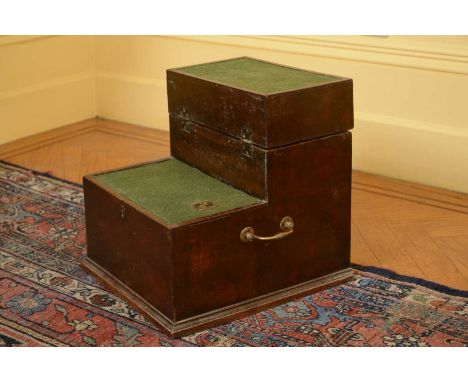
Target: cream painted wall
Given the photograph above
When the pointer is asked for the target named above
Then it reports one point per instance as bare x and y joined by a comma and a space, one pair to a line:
411, 92
45, 82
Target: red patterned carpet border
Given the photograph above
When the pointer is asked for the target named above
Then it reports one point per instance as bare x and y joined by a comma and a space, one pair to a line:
47, 299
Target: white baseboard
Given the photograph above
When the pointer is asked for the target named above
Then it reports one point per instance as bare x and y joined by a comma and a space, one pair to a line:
416, 151
138, 100
45, 82
40, 108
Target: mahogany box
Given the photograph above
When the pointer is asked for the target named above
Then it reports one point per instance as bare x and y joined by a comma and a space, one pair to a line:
252, 208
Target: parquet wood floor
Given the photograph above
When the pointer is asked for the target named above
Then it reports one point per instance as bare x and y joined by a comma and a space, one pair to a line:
408, 228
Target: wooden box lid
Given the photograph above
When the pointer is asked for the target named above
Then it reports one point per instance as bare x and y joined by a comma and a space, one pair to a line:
173, 192
268, 104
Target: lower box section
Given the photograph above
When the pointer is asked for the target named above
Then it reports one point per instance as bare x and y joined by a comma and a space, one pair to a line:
218, 316
170, 239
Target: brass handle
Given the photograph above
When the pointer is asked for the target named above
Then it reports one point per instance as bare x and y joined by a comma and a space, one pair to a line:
287, 227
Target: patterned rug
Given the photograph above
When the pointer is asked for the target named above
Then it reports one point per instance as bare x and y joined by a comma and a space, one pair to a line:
47, 299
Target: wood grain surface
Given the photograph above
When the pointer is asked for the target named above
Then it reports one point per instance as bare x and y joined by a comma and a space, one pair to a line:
412, 229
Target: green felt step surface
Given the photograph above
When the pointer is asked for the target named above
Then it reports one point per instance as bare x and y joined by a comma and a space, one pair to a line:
170, 190
257, 76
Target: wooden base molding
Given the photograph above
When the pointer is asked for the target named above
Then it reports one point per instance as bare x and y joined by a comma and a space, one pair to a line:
219, 316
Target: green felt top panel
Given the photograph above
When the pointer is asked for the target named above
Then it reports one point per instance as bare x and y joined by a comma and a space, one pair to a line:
169, 189
257, 76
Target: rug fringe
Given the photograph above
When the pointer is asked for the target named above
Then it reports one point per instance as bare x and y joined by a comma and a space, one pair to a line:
45, 174
413, 280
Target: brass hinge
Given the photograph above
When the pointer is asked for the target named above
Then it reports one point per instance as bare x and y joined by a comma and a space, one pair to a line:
187, 126
247, 144
247, 148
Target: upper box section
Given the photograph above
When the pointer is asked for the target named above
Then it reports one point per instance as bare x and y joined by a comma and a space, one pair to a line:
270, 105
